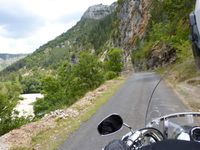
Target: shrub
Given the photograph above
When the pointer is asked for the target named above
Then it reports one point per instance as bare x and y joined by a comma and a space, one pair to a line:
72, 82
110, 75
9, 96
114, 61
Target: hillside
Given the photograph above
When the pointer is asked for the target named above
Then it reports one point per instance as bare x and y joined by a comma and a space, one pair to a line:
89, 34
8, 59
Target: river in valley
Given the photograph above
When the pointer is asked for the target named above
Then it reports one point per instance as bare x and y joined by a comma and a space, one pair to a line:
25, 106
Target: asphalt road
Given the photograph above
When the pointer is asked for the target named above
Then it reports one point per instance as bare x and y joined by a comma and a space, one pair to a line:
131, 103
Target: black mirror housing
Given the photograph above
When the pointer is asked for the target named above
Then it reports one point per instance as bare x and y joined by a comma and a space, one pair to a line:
110, 124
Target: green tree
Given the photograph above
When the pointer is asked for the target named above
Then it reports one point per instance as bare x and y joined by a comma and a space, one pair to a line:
9, 96
87, 73
71, 82
31, 84
53, 96
114, 61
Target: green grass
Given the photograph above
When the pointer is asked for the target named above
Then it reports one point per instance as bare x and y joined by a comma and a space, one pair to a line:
50, 139
179, 72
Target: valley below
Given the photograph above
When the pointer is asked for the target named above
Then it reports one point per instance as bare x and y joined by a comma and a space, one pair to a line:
8, 59
25, 106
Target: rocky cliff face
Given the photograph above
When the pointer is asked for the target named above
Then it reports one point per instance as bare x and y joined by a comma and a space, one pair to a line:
161, 55
134, 17
100, 11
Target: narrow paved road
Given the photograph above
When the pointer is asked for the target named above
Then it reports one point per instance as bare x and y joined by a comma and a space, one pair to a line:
131, 103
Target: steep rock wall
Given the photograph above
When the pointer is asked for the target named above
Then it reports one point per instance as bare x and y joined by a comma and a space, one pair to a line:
134, 17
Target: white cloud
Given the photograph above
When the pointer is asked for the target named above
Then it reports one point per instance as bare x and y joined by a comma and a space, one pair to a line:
27, 24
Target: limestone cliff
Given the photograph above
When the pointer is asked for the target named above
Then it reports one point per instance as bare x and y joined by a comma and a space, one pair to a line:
134, 17
100, 11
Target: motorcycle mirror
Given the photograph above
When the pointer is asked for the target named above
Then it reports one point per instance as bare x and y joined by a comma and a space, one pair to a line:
110, 124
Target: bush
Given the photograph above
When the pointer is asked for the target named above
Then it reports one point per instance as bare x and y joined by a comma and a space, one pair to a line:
31, 84
53, 96
110, 75
41, 107
9, 96
72, 82
114, 61
9, 124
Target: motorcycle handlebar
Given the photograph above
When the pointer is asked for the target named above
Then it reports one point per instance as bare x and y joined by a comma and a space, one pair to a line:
135, 139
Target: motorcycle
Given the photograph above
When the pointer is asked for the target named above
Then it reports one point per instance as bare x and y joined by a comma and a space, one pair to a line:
178, 126
175, 128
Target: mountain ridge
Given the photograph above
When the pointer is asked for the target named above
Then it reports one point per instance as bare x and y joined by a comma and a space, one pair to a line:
88, 34
99, 11
8, 59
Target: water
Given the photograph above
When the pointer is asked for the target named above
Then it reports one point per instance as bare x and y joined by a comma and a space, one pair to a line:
25, 106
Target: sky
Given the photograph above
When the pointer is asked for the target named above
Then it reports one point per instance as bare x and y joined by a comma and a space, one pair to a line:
25, 25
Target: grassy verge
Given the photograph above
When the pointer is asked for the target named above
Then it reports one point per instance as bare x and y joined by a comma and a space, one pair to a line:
50, 139
179, 72
182, 78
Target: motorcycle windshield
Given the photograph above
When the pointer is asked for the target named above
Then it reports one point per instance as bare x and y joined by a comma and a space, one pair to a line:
175, 125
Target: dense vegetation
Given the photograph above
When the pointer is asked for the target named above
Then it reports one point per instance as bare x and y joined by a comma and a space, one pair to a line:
60, 89
74, 80
169, 25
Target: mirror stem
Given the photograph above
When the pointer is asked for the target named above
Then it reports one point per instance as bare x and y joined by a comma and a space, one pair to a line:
128, 127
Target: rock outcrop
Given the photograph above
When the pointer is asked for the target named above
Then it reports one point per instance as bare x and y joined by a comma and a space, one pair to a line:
161, 55
134, 17
98, 12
